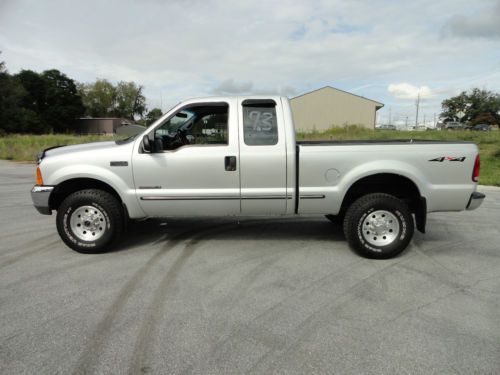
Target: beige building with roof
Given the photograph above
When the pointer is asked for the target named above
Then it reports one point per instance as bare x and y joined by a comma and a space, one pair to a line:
326, 107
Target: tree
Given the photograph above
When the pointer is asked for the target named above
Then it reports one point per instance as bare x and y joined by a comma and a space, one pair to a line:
14, 117
98, 98
153, 115
103, 99
34, 84
52, 98
476, 104
129, 100
63, 104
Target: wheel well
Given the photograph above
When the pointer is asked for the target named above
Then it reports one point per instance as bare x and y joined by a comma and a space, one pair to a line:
68, 187
393, 184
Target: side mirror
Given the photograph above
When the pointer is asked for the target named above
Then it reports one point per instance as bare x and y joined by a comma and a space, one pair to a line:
146, 143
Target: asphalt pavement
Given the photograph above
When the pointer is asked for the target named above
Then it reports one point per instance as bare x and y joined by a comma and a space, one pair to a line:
252, 295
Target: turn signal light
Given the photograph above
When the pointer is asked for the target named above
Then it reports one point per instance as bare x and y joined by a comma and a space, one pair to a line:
39, 179
475, 171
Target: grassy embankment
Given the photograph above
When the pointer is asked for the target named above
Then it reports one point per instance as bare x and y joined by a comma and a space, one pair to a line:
25, 147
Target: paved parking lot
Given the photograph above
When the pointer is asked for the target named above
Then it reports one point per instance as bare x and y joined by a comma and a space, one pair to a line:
274, 295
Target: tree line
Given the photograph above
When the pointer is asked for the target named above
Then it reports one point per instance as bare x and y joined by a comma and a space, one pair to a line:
477, 106
50, 101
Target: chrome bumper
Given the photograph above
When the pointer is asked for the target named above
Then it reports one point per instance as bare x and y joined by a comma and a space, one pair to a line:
475, 200
40, 197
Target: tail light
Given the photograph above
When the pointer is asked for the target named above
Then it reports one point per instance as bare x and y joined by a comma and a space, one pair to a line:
475, 171
39, 179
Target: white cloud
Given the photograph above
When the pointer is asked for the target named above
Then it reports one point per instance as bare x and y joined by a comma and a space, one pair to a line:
408, 91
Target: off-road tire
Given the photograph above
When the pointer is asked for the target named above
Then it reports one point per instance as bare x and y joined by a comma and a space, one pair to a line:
366, 209
109, 210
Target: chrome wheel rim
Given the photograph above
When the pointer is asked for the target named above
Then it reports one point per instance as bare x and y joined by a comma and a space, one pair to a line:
88, 223
380, 228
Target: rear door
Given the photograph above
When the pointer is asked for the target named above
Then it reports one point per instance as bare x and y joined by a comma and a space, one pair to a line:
263, 167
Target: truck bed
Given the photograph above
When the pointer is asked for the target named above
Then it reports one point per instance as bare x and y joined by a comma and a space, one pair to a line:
441, 170
378, 142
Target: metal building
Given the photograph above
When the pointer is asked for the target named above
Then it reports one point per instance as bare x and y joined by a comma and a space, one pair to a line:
100, 125
326, 107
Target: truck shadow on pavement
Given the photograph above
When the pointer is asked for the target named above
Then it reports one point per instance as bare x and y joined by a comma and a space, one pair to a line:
157, 231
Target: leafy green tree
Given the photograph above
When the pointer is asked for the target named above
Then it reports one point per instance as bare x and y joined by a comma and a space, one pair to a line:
475, 104
51, 102
153, 115
103, 99
14, 117
11, 96
99, 98
63, 103
34, 84
129, 100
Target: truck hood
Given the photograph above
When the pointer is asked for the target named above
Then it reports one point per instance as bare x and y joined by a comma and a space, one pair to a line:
85, 147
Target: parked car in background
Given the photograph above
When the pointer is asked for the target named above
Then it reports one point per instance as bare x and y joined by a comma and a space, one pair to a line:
454, 126
481, 127
386, 127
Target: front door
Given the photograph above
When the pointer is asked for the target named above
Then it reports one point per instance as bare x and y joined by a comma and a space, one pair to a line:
193, 169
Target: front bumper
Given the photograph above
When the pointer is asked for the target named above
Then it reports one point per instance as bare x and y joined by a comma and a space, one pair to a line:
40, 196
475, 200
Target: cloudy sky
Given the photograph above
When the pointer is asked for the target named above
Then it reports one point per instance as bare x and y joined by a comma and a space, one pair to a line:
385, 50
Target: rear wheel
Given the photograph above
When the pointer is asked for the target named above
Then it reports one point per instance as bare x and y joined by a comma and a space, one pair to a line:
378, 226
90, 221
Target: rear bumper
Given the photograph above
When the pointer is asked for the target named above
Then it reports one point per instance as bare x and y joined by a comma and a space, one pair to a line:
40, 196
475, 200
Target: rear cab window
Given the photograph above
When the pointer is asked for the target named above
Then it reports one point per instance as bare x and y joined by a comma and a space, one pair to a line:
260, 126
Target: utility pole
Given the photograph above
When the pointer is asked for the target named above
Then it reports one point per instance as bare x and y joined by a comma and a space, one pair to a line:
390, 116
424, 120
406, 123
418, 105
434, 120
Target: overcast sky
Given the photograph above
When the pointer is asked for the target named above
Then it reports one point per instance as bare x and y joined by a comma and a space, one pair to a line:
385, 50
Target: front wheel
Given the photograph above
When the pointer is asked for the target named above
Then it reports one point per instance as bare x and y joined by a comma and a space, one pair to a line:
378, 226
90, 221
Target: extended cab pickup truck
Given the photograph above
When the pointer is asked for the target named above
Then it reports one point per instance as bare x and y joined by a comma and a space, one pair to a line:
238, 156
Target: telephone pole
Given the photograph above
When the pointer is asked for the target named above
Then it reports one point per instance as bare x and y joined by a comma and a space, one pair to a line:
418, 105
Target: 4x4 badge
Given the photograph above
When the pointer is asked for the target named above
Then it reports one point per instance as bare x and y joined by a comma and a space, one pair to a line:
448, 158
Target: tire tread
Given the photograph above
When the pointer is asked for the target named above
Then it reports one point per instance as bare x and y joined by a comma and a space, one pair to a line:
106, 200
357, 208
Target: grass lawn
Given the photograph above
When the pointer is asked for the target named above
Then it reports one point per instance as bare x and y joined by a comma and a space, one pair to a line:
25, 147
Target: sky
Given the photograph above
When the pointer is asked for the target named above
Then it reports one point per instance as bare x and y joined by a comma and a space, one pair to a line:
388, 51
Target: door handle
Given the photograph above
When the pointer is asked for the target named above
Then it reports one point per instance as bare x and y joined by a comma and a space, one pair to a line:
230, 163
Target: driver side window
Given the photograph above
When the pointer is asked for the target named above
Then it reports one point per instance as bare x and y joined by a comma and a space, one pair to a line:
200, 124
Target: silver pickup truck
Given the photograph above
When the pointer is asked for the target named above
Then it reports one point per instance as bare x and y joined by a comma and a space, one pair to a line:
238, 156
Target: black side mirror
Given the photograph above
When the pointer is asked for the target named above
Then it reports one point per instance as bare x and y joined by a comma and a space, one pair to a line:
146, 143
